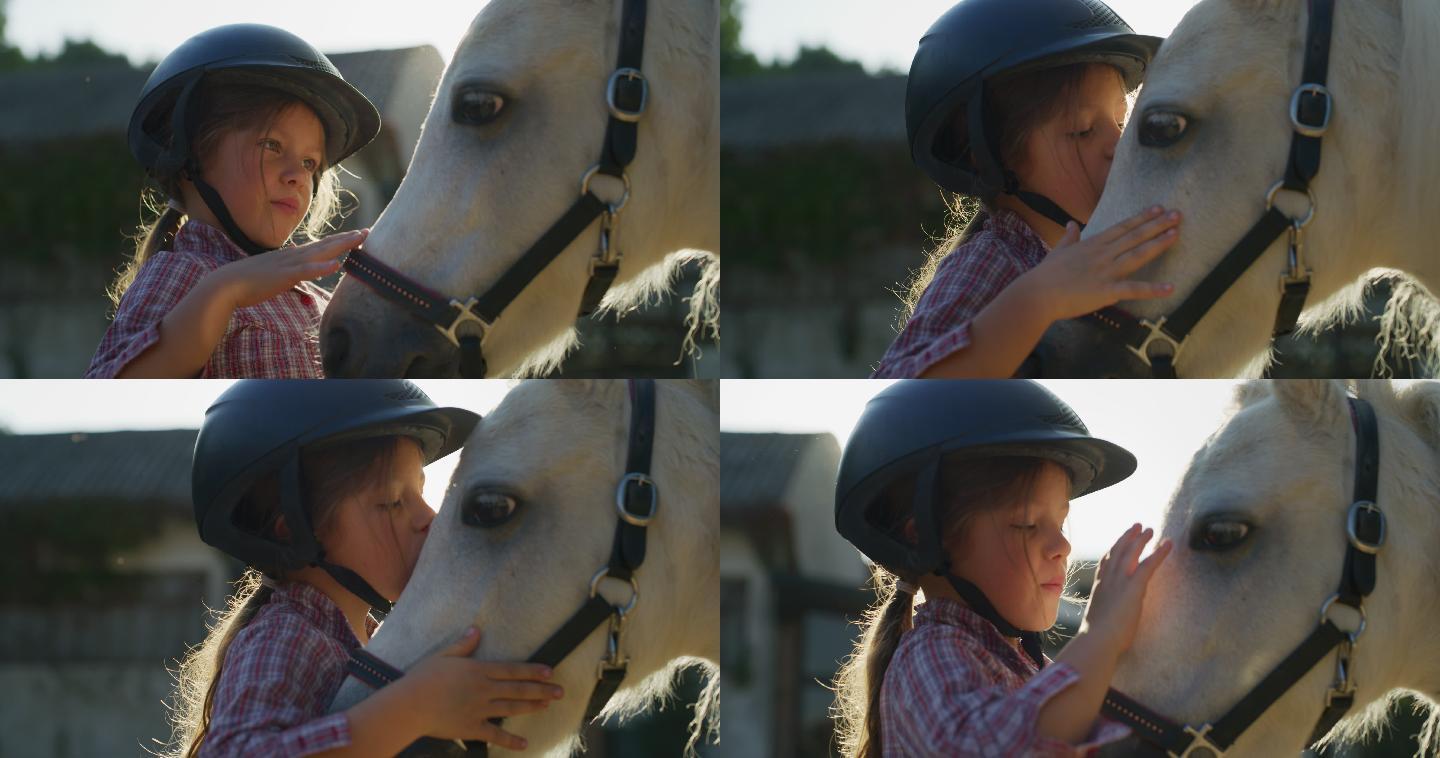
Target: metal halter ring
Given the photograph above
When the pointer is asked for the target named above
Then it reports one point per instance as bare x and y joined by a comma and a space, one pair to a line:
1200, 745
1157, 334
1298, 224
634, 116
642, 480
1355, 541
634, 590
466, 313
1325, 616
615, 208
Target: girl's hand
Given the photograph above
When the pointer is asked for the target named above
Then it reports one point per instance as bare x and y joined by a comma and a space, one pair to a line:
1120, 583
460, 695
257, 278
1083, 276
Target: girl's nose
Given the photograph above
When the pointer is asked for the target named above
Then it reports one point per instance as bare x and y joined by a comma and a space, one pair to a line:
423, 515
1059, 547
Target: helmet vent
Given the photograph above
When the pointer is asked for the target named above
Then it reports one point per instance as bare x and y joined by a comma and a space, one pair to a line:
1100, 15
406, 395
1066, 419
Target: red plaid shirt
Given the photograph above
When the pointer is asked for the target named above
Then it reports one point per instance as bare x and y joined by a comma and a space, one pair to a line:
957, 687
281, 672
965, 281
277, 339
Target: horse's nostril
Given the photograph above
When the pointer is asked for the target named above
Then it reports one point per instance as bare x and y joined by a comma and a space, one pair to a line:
336, 349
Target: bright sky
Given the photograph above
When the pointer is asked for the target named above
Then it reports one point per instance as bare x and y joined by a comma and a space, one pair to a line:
83, 405
884, 35
1162, 423
147, 31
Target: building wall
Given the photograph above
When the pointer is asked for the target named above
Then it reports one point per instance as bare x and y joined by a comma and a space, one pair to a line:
747, 709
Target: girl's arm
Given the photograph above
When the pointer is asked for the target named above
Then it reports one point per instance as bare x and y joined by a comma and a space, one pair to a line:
192, 329
1076, 278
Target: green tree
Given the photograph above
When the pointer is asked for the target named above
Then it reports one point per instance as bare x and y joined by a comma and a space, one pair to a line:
10, 57
735, 60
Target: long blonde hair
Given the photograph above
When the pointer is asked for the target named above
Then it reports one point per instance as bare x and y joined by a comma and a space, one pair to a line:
967, 489
328, 476
223, 109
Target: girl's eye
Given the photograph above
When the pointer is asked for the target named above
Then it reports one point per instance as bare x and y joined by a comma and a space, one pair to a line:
311, 165
1219, 535
270, 144
488, 509
1025, 527
1162, 128
476, 106
1085, 133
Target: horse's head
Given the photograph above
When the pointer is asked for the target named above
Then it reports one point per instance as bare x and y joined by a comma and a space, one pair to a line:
1259, 524
556, 449
519, 118
1210, 134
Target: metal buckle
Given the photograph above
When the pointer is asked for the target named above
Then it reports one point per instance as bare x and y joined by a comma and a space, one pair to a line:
1350, 531
634, 590
1360, 609
622, 489
466, 313
1298, 272
632, 74
1200, 741
615, 208
1157, 333
1310, 130
1270, 203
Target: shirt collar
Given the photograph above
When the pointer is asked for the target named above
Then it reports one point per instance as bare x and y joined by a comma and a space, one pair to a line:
317, 608
950, 612
1010, 228
196, 234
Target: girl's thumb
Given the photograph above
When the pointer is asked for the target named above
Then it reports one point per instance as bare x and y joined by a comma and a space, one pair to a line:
467, 642
1072, 232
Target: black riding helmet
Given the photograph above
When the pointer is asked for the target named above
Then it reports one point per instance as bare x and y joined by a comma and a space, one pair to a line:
252, 54
976, 42
259, 426
911, 428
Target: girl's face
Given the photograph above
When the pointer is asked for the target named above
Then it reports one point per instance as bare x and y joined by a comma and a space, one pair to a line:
1018, 556
1068, 158
265, 175
378, 531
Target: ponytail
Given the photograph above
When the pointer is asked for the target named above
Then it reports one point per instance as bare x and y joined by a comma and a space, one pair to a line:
858, 684
152, 238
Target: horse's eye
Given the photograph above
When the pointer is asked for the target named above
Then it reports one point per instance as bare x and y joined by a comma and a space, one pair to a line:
488, 509
1162, 128
476, 106
1218, 535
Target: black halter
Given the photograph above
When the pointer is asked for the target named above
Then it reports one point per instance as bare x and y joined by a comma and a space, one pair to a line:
1158, 343
636, 501
1365, 533
626, 95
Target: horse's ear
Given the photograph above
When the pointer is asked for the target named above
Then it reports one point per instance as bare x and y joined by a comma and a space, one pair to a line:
1250, 392
1422, 405
1314, 401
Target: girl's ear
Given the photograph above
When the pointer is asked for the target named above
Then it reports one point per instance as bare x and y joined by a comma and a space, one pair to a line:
282, 529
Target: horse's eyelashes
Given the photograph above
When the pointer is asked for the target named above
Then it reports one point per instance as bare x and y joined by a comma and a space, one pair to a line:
477, 106
1219, 535
488, 509
1163, 128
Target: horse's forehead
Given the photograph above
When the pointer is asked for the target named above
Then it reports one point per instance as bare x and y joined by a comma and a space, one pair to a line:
517, 27
1219, 35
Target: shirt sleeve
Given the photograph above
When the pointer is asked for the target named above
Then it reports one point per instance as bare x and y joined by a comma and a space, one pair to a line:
158, 287
947, 709
964, 283
267, 696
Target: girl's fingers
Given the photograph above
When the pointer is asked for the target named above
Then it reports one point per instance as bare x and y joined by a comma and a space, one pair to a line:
1071, 236
1148, 231
1129, 262
530, 672
1130, 224
507, 708
469, 640
334, 246
519, 690
1156, 558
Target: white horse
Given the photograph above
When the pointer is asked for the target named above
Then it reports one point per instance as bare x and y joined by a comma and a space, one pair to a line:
1216, 621
476, 197
1230, 68
559, 446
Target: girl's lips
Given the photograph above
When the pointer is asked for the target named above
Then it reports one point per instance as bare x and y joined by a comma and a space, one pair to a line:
1054, 586
287, 205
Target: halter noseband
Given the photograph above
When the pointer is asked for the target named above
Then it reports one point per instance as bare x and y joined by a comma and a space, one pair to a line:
626, 95
1365, 535
1157, 344
637, 500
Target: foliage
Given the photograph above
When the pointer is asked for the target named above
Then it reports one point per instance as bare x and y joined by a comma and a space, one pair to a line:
822, 202
62, 551
736, 61
77, 196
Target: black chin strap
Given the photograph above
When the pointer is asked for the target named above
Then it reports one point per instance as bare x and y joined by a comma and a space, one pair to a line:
1365, 534
1157, 344
993, 174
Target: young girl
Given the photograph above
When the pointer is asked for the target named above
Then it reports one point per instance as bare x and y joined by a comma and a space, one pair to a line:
241, 127
960, 490
1018, 105
317, 486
